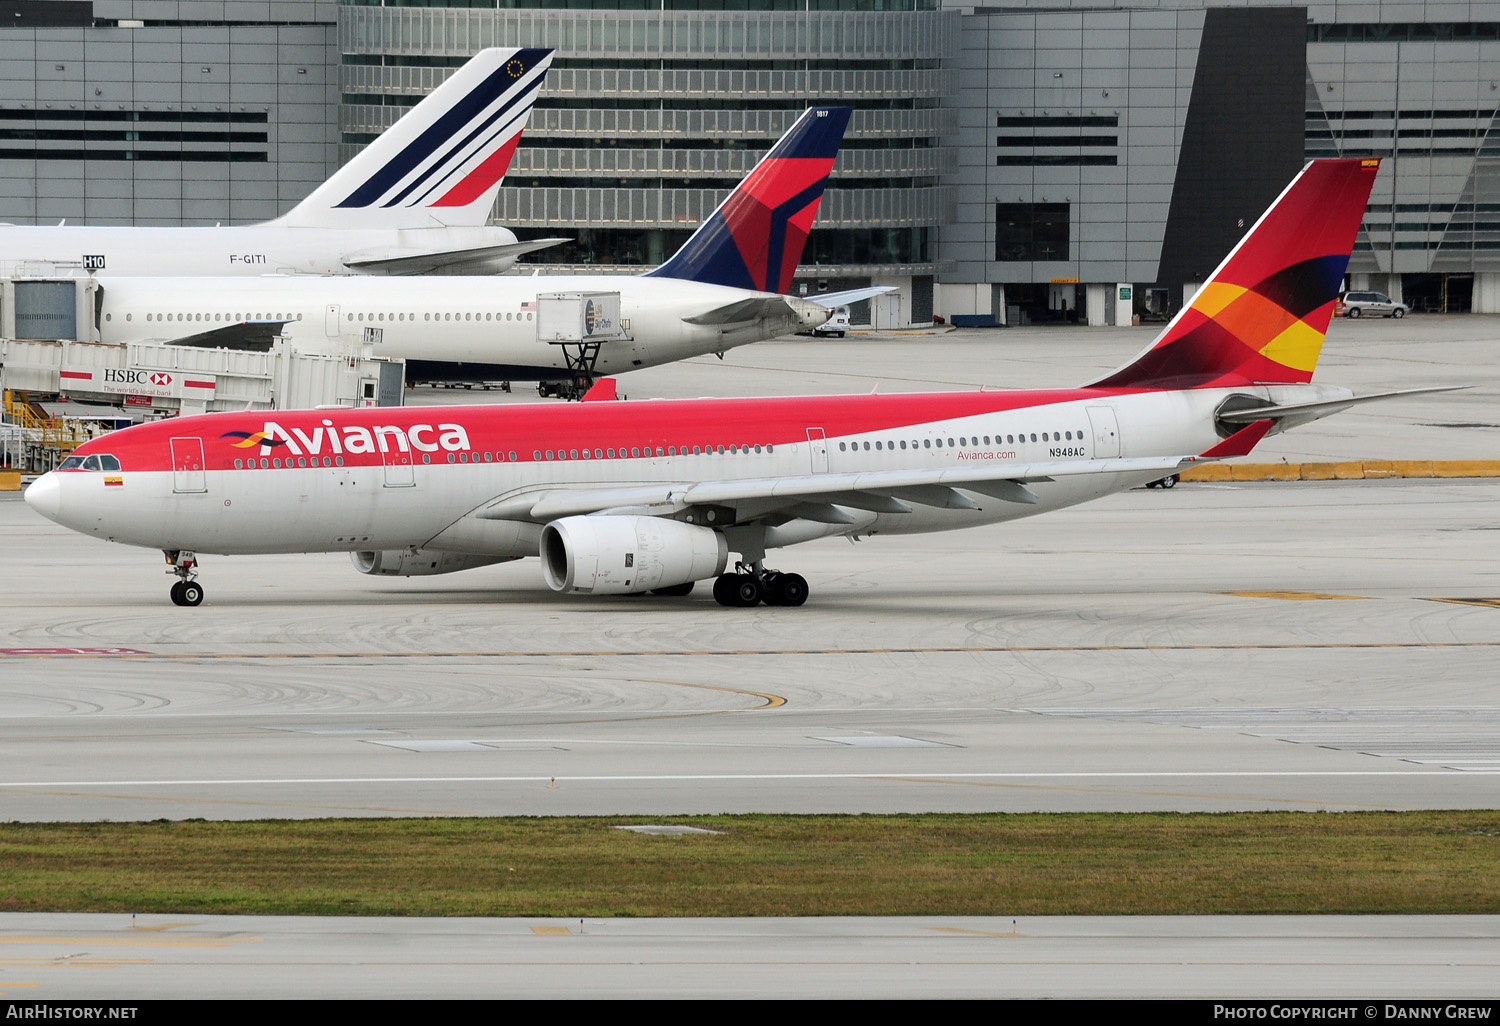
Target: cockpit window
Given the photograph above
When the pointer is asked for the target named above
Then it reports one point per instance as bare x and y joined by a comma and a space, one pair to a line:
99, 461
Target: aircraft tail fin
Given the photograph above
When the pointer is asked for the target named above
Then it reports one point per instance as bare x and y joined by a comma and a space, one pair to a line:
1263, 314
443, 161
754, 239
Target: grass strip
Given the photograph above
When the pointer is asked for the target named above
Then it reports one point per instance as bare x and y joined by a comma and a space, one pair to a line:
766, 865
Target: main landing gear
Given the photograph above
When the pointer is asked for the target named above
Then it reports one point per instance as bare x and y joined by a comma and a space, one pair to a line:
754, 584
186, 592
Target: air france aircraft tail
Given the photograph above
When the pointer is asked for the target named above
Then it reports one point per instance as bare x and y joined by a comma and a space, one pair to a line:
1262, 316
754, 239
442, 163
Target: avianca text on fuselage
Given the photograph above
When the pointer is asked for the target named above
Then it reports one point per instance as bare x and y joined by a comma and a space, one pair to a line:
354, 439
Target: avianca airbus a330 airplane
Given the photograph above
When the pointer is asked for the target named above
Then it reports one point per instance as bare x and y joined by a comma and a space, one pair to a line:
415, 201
618, 497
723, 288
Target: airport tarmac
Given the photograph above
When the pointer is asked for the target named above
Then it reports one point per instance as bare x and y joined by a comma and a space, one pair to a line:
1362, 961
1212, 647
1312, 645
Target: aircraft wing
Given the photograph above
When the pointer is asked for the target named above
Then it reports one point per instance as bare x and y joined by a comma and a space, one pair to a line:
818, 496
252, 336
455, 261
829, 300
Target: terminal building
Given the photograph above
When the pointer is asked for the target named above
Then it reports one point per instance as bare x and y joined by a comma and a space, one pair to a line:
1011, 164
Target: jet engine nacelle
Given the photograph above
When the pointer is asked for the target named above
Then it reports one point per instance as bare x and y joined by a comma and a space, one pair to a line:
621, 555
421, 563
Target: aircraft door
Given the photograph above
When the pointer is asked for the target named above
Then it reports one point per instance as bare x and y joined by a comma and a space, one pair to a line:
331, 320
817, 444
1106, 431
188, 474
398, 468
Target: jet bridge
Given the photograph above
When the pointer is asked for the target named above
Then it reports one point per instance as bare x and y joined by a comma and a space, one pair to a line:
48, 333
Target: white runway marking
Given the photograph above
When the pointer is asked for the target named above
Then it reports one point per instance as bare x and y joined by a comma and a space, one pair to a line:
735, 777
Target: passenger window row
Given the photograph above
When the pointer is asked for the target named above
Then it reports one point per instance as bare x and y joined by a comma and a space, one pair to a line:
489, 316
230, 318
302, 462
639, 452
965, 441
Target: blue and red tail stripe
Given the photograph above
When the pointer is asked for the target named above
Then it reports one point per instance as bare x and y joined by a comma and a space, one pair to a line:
449, 125
756, 237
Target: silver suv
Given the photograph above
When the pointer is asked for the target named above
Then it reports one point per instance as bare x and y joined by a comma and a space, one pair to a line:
1360, 304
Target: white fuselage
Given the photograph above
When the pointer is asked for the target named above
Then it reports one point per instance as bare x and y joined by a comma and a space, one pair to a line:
487, 322
243, 251
457, 472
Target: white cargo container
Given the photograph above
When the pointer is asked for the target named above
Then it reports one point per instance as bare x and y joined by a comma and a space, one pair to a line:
564, 317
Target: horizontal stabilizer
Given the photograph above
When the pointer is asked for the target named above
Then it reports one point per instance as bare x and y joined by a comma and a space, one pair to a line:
1325, 407
829, 300
756, 308
247, 336
473, 260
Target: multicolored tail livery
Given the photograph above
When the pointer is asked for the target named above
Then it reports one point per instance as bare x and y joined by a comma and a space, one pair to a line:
1262, 317
443, 161
755, 238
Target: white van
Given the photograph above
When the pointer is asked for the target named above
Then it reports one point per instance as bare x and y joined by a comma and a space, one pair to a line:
835, 325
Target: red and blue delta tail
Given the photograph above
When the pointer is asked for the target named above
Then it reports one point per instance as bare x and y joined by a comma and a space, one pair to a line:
443, 161
1262, 316
755, 239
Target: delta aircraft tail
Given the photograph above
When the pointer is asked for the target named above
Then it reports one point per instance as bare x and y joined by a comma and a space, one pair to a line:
1262, 316
754, 239
441, 164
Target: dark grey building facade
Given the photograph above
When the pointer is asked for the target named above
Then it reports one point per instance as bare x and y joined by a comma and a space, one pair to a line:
157, 113
1029, 161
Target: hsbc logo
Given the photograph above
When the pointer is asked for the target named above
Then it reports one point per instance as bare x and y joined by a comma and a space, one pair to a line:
138, 380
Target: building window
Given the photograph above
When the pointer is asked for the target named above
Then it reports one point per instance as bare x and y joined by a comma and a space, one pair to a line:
1031, 231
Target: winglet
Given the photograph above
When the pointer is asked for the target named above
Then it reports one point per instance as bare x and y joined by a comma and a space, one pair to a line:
1240, 443
602, 391
755, 239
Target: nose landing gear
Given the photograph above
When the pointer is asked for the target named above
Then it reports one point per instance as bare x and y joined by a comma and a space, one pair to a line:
753, 584
186, 591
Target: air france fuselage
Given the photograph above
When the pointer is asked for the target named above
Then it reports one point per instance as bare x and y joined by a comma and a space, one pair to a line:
242, 251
